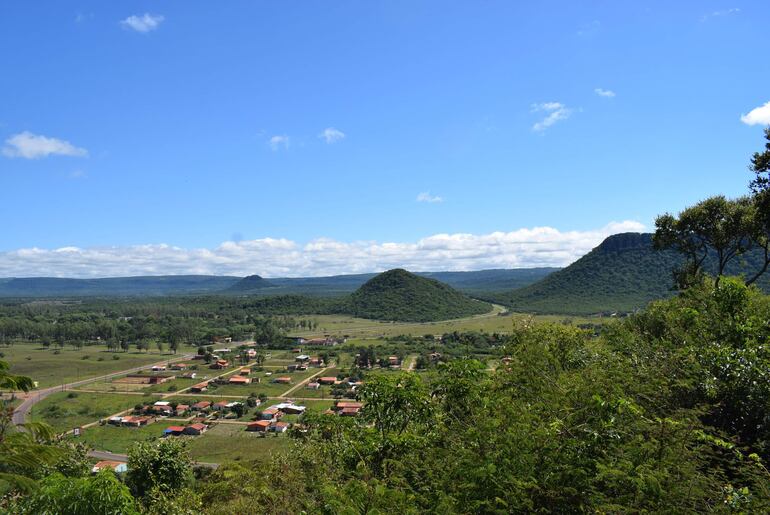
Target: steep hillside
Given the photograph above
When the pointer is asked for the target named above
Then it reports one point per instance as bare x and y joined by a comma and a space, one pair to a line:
622, 274
249, 284
403, 296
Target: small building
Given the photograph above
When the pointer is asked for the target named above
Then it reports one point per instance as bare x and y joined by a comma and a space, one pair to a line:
393, 360
251, 353
179, 366
173, 431
181, 409
220, 364
271, 414
117, 466
163, 409
327, 380
302, 358
349, 412
189, 375
313, 386
259, 425
200, 387
220, 406
279, 427
316, 362
115, 421
195, 429
282, 380
239, 380
158, 368
245, 371
289, 408
198, 406
137, 421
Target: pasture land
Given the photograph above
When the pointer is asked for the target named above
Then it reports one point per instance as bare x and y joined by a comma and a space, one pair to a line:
66, 410
50, 369
231, 442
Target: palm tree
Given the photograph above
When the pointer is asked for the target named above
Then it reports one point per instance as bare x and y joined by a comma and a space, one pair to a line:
26, 450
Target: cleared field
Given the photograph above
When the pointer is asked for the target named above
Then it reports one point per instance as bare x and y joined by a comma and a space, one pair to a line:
364, 329
119, 439
231, 442
66, 410
50, 369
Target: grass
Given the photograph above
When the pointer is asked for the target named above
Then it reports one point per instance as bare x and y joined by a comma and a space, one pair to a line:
120, 439
66, 410
50, 369
231, 442
363, 329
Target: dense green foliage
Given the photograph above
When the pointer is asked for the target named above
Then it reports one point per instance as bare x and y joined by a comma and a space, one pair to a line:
664, 412
402, 296
624, 273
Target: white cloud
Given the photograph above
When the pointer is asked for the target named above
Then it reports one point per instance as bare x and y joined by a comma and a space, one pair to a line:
78, 174
717, 14
278, 142
425, 196
34, 146
145, 23
556, 112
270, 257
604, 92
332, 135
758, 116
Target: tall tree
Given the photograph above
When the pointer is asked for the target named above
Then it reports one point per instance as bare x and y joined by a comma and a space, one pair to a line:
717, 226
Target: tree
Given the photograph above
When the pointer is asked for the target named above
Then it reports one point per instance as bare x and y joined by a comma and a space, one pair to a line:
102, 493
713, 226
160, 346
266, 331
165, 466
124, 344
760, 165
173, 345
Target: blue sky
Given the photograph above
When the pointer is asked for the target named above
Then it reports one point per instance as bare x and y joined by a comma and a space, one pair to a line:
337, 126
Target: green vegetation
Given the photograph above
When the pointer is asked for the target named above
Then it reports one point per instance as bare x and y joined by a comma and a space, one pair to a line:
66, 410
403, 296
230, 442
249, 285
50, 368
623, 274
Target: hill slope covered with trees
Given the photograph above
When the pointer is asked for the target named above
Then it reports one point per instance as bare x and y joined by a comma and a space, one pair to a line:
622, 274
406, 297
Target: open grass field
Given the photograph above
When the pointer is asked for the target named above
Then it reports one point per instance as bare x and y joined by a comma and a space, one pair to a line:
50, 369
119, 439
361, 328
66, 410
231, 442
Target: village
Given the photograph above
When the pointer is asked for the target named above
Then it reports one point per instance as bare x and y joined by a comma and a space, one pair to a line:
260, 392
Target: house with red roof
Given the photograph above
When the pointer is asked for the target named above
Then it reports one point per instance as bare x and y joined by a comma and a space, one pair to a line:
259, 425
195, 429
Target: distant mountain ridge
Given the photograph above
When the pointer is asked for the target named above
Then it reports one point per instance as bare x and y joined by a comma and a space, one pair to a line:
41, 287
622, 274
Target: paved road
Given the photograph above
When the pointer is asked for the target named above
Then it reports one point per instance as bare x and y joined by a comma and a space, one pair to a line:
104, 455
20, 415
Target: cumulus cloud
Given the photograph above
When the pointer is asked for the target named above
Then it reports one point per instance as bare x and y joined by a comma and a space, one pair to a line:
331, 135
555, 112
145, 23
608, 93
270, 257
279, 142
425, 196
34, 146
758, 116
